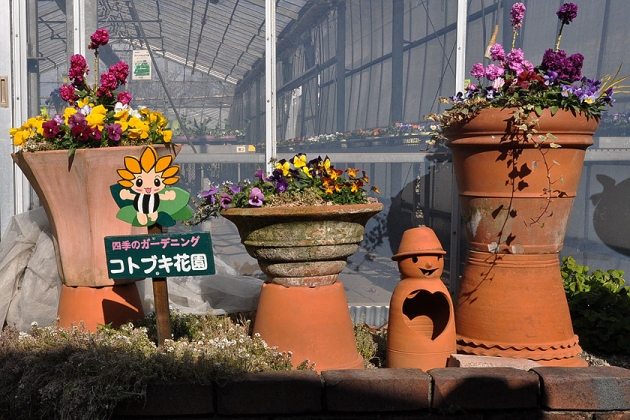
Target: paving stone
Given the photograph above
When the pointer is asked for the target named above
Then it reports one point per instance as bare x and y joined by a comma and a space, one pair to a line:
469, 360
172, 400
622, 415
588, 388
376, 390
274, 392
500, 388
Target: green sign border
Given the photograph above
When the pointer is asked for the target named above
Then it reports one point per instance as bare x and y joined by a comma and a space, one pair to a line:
159, 255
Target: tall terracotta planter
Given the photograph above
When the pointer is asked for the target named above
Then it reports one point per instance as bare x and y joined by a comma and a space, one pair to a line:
81, 212
516, 201
303, 307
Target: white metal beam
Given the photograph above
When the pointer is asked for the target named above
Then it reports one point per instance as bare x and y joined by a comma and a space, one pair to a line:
270, 82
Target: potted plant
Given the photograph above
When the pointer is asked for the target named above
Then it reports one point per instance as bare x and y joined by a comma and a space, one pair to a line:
71, 160
518, 139
301, 223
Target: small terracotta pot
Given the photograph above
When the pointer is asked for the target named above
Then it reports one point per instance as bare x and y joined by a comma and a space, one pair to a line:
93, 306
311, 322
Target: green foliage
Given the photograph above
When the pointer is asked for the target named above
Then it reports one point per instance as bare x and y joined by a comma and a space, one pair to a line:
296, 182
600, 305
72, 374
371, 344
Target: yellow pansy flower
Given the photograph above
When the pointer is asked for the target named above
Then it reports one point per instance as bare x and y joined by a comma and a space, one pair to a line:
138, 129
96, 118
299, 161
67, 113
284, 166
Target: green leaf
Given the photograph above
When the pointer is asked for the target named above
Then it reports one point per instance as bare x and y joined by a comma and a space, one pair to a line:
554, 109
538, 110
128, 214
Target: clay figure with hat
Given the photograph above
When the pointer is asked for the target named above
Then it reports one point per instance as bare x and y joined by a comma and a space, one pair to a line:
421, 328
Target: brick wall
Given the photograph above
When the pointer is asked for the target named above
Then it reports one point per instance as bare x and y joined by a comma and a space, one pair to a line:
596, 393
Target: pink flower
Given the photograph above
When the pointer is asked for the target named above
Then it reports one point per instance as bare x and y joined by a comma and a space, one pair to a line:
493, 72
477, 71
124, 97
498, 83
67, 93
121, 71
99, 38
497, 52
518, 14
515, 59
78, 69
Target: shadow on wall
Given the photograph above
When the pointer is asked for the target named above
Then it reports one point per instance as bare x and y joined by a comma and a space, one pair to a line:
407, 211
611, 218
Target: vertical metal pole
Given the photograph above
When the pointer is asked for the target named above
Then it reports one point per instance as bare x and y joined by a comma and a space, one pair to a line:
270, 82
460, 75
19, 94
341, 67
396, 107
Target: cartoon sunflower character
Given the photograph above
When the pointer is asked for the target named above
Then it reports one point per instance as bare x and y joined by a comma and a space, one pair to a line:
146, 181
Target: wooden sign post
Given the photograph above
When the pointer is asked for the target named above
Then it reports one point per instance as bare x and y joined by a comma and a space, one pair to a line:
159, 255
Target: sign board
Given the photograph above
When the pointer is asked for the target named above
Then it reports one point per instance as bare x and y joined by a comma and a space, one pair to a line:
160, 255
141, 65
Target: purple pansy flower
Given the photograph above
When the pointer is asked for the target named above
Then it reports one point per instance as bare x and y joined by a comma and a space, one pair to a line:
256, 197
209, 194
262, 175
114, 131
226, 200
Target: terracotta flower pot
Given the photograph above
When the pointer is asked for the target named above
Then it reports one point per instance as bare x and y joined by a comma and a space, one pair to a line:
302, 250
81, 212
516, 201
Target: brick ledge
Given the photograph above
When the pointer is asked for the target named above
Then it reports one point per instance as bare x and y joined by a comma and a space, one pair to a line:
601, 392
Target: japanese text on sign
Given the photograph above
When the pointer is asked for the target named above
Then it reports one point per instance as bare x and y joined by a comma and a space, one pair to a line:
163, 255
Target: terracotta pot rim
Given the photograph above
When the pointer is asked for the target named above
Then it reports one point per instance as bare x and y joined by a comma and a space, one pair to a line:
493, 121
306, 211
96, 149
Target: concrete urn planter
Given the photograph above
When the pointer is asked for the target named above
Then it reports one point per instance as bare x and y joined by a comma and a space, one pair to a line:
303, 307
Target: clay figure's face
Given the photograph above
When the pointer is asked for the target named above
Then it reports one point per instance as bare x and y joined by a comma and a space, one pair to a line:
148, 183
421, 266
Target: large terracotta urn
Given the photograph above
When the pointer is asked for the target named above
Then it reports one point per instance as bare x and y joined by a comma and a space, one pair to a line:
516, 194
75, 193
303, 307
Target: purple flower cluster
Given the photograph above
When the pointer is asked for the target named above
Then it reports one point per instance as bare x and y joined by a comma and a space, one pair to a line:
518, 14
558, 76
567, 12
565, 69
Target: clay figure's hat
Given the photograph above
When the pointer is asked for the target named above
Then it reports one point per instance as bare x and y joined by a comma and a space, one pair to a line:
419, 241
